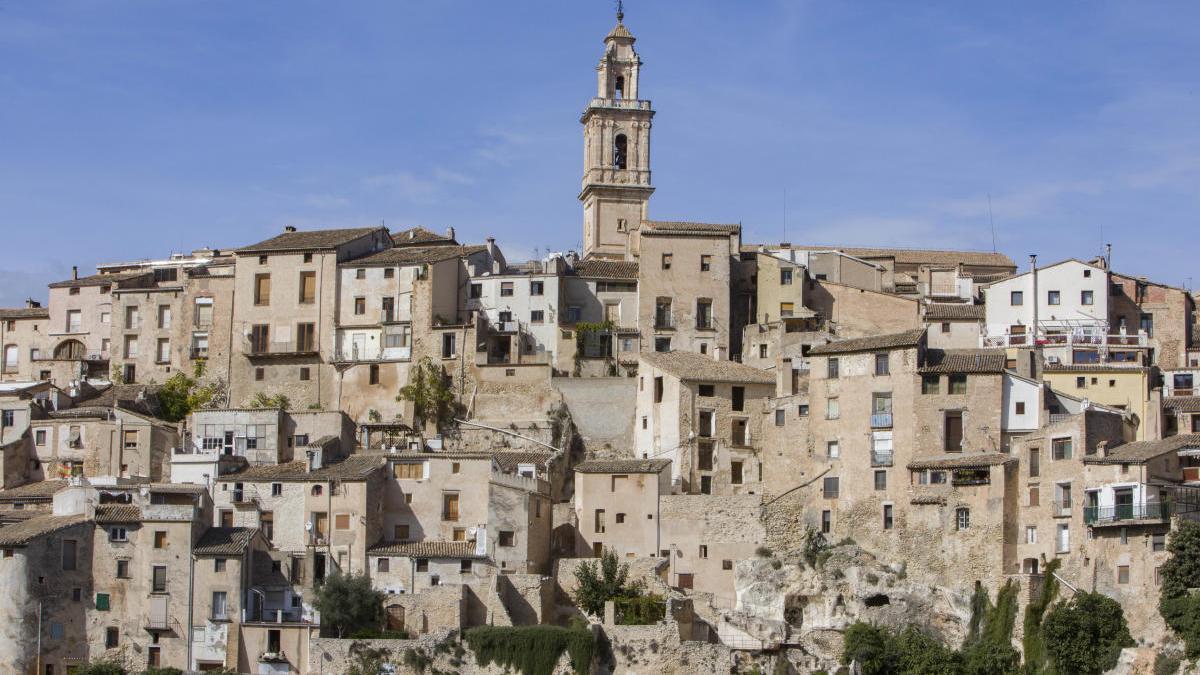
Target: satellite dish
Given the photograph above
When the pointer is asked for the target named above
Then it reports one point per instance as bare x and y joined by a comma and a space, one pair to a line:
472, 530
308, 526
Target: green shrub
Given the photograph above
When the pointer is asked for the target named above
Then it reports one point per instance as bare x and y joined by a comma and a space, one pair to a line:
348, 604
640, 610
1166, 664
1086, 634
599, 584
532, 650
1181, 571
1034, 646
101, 667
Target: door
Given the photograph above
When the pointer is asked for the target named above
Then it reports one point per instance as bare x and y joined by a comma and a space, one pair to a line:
395, 617
319, 567
358, 345
954, 431
1031, 566
685, 581
227, 444
226, 518
320, 524
389, 309
1123, 502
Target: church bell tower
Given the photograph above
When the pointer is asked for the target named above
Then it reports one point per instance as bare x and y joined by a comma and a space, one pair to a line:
616, 150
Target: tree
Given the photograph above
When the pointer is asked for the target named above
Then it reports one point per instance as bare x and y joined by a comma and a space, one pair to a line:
430, 394
348, 603
1086, 634
262, 399
368, 661
599, 585
180, 395
1181, 572
870, 647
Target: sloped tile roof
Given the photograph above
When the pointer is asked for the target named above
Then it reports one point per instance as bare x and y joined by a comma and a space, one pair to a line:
509, 461
352, 468
415, 236
623, 465
224, 541
426, 549
1139, 452
921, 256
99, 280
118, 513
910, 338
606, 269
20, 534
676, 227
310, 240
415, 255
619, 31
981, 361
44, 489
1187, 404
693, 367
961, 461
942, 311
24, 313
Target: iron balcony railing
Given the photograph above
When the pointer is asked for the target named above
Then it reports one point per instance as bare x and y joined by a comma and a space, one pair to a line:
1102, 515
1061, 507
881, 458
881, 420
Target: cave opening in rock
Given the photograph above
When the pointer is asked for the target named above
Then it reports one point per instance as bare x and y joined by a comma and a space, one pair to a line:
877, 600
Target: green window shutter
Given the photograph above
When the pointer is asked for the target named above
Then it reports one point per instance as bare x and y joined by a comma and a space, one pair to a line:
102, 601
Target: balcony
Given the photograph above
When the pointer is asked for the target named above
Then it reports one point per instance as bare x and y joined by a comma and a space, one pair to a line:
1151, 512
881, 458
198, 353
965, 477
273, 657
663, 322
277, 349
1061, 508
881, 421
1065, 339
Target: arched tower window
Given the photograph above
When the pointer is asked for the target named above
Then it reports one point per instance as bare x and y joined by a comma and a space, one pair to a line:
619, 88
619, 148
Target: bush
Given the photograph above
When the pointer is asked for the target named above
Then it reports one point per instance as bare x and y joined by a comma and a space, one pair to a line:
101, 668
1035, 611
532, 650
1086, 634
163, 671
597, 585
640, 610
348, 603
1181, 571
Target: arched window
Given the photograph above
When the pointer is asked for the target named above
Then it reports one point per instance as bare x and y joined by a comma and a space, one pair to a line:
619, 148
69, 350
619, 89
962, 518
10, 358
316, 490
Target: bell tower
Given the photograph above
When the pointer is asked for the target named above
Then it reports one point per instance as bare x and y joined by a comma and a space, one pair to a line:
616, 150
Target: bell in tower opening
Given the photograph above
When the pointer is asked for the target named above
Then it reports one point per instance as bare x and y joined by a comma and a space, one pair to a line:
616, 151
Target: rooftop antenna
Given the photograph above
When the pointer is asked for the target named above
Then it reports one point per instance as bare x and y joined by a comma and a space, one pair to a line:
991, 222
785, 213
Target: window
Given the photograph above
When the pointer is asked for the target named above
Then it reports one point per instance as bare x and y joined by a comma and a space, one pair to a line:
133, 319
219, 605
1063, 540
1061, 448
163, 351
360, 273
218, 564
704, 423
102, 602
1086, 298
360, 306
160, 539
1016, 298
304, 374
802, 410
537, 316
780, 417
880, 479
164, 316
158, 579
953, 431
507, 538
930, 384
830, 488
831, 408
382, 564
1035, 462
1053, 298
129, 439
68, 554
408, 470
506, 289
450, 506
598, 521
704, 314
537, 287
131, 347
958, 384
962, 518
658, 389
832, 449
832, 368
308, 288
881, 364
826, 521
122, 569
118, 534
464, 567
945, 326
887, 516
1146, 324
448, 346
705, 263
1035, 496
666, 261
704, 456
262, 289
1122, 574
739, 398
786, 309
1031, 534
400, 532
735, 472
762, 351
341, 521
476, 291
112, 637
706, 390
389, 273
373, 374
422, 565
706, 485
1020, 405
785, 277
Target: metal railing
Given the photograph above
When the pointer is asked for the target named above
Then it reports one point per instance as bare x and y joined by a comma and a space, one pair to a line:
881, 420
199, 352
881, 458
1102, 515
1064, 339
255, 348
1061, 508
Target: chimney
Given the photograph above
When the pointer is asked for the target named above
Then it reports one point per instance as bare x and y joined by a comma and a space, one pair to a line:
314, 459
30, 303
74, 271
412, 234
449, 232
1102, 448
289, 228
717, 349
1108, 256
1034, 299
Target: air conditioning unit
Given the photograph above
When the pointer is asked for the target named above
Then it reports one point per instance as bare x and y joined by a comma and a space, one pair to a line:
1053, 359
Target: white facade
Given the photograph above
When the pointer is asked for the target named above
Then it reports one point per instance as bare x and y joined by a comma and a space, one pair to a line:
1021, 400
520, 303
1072, 300
375, 306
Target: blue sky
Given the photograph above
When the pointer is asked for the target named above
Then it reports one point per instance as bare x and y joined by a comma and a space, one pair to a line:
132, 129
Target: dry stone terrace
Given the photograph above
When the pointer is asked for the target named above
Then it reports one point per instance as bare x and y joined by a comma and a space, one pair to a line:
193, 445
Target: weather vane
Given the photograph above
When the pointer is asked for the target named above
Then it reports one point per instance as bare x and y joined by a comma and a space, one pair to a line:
620, 10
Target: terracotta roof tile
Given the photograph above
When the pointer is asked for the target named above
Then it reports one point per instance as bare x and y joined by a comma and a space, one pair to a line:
919, 256
606, 269
24, 313
426, 549
910, 338
44, 489
415, 255
224, 541
961, 461
941, 311
1139, 452
310, 240
416, 236
623, 465
99, 280
20, 534
676, 227
352, 468
1186, 404
118, 513
964, 361
509, 461
692, 367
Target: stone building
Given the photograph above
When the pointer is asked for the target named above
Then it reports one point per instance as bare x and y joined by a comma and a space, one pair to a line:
1164, 313
617, 507
906, 271
599, 293
953, 325
1125, 387
706, 416
23, 342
